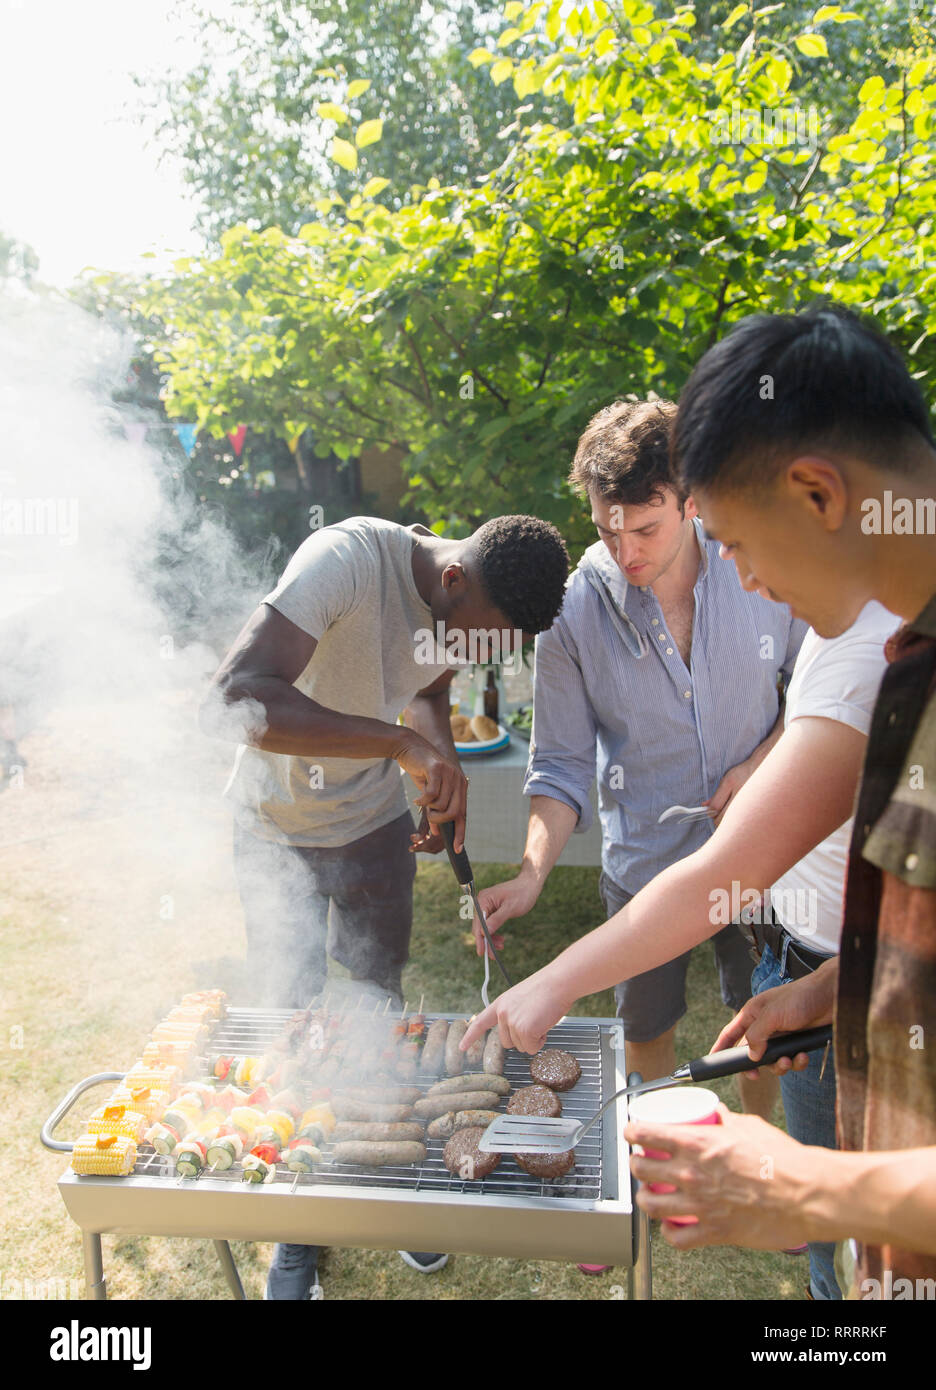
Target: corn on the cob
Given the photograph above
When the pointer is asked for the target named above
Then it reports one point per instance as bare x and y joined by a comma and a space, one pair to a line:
172, 1052
110, 1155
117, 1119
216, 999
141, 1099
180, 1030
141, 1076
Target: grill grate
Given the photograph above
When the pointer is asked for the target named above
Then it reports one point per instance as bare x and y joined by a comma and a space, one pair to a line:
251, 1031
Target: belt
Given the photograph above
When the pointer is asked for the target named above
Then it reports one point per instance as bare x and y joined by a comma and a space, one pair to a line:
799, 960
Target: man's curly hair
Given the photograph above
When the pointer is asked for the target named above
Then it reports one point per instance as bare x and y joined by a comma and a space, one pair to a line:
524, 566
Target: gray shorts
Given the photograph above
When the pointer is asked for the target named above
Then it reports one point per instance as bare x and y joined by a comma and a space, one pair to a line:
353, 902
651, 1004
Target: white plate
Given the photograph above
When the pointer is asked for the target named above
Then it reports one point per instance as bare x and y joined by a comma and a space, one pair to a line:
488, 745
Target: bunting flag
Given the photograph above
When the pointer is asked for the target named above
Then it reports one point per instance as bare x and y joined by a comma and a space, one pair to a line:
186, 437
237, 438
135, 432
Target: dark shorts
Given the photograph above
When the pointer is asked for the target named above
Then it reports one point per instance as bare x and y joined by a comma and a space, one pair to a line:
653, 1003
353, 903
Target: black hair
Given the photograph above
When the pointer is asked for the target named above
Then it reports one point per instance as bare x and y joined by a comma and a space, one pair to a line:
524, 565
781, 383
624, 454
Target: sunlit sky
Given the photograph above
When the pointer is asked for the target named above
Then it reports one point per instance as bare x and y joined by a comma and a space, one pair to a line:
77, 180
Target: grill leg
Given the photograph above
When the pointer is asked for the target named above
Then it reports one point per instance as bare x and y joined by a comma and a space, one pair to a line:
640, 1283
95, 1287
223, 1251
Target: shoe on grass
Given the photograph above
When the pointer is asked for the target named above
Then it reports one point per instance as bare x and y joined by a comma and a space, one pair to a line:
423, 1262
293, 1275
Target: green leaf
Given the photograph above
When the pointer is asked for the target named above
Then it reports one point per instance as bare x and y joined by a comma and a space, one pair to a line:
812, 45
330, 112
373, 187
512, 9
508, 37
358, 87
735, 15
368, 133
480, 55
343, 153
501, 71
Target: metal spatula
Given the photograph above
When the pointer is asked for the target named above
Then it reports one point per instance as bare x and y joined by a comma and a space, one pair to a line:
538, 1134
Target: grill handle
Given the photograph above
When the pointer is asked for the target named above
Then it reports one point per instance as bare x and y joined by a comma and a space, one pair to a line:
62, 1109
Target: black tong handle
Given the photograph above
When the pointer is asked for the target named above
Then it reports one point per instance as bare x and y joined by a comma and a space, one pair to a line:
736, 1059
459, 862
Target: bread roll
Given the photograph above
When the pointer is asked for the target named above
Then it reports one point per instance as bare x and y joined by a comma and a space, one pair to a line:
484, 728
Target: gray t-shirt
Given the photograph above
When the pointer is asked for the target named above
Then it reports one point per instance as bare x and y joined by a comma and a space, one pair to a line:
351, 587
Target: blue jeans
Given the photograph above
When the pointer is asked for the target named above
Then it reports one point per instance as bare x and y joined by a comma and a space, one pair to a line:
809, 1105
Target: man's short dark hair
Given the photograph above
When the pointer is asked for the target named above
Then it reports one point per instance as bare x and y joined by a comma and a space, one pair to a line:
782, 384
624, 454
524, 566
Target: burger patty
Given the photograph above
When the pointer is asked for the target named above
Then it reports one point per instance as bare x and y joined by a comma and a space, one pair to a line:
557, 1070
464, 1159
547, 1165
535, 1100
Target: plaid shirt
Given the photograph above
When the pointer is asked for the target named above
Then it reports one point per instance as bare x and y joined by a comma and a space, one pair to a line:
885, 1020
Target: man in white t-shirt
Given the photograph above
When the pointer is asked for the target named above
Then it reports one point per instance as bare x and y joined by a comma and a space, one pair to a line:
363, 627
835, 679
788, 826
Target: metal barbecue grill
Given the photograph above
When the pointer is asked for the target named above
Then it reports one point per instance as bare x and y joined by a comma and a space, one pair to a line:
587, 1215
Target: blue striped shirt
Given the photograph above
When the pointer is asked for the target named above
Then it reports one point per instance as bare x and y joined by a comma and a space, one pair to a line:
613, 698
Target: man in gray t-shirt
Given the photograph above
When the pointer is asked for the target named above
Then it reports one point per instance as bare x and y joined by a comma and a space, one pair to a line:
361, 628
367, 623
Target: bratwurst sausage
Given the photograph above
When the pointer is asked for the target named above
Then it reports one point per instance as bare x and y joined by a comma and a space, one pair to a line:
474, 1081
433, 1106
454, 1058
494, 1054
445, 1126
383, 1095
433, 1053
344, 1108
379, 1155
348, 1131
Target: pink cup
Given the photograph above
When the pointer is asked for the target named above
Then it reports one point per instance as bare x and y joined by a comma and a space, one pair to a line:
679, 1105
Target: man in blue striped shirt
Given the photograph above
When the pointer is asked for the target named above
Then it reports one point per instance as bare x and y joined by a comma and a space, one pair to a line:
662, 675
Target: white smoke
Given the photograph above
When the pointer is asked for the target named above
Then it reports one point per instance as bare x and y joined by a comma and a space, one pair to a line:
117, 600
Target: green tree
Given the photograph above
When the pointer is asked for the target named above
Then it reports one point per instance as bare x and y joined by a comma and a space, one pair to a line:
478, 325
276, 83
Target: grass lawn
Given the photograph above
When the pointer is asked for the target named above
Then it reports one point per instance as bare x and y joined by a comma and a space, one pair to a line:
112, 908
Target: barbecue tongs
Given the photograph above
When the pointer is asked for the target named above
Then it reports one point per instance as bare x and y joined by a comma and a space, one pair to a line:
538, 1134
465, 875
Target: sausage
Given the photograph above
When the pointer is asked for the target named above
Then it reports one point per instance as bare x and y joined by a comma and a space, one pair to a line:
475, 1054
378, 1155
494, 1055
445, 1126
474, 1081
349, 1130
345, 1109
433, 1053
454, 1059
382, 1095
433, 1106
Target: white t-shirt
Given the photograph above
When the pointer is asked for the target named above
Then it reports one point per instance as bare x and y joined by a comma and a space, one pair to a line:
351, 587
834, 678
